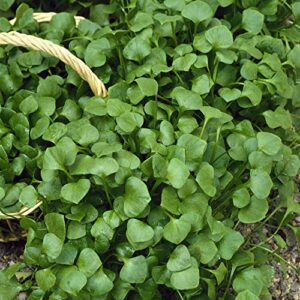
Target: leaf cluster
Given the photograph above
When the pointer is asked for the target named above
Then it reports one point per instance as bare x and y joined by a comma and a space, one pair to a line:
144, 191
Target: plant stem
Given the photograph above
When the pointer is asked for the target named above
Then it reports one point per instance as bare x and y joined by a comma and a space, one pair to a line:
164, 99
155, 111
272, 235
174, 34
236, 225
107, 194
279, 257
203, 128
229, 191
216, 143
155, 186
180, 296
122, 62
228, 283
196, 28
262, 224
179, 77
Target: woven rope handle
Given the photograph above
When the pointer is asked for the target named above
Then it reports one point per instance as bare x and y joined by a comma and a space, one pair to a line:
46, 17
35, 43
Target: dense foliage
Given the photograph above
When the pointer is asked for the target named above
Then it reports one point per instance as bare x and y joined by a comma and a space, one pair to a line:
146, 192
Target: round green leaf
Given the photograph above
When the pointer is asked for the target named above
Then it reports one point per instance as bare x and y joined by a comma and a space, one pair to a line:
254, 212
96, 106
278, 118
229, 94
99, 284
94, 54
71, 110
176, 230
260, 183
111, 218
140, 21
241, 198
63, 154
136, 197
71, 280
260, 160
180, 259
177, 173
293, 56
74, 192
6, 4
29, 105
246, 295
269, 143
202, 84
148, 86
230, 243
137, 49
45, 279
249, 70
252, 92
28, 196
206, 179
170, 201
128, 121
187, 124
184, 63
76, 230
203, 249
52, 245
54, 132
101, 228
134, 270
253, 20
187, 100
197, 11
214, 113
116, 107
101, 167
40, 128
219, 37
167, 133
187, 279
55, 224
249, 279
193, 145
220, 273
139, 234
88, 262
82, 132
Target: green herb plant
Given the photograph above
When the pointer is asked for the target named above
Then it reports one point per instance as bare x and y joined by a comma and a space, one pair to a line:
146, 193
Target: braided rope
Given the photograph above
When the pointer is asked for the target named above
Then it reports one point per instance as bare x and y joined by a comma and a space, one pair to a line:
46, 17
25, 211
35, 43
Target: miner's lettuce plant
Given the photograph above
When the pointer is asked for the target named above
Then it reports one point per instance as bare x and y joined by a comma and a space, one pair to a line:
146, 193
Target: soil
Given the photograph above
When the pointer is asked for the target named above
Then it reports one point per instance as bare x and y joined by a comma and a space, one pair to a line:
12, 242
10, 253
286, 282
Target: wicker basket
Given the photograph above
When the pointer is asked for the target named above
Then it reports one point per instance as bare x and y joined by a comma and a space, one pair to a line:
35, 43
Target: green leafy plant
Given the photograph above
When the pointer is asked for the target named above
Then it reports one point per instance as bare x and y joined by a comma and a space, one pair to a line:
145, 193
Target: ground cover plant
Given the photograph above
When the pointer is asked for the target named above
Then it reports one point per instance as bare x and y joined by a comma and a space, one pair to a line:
146, 192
